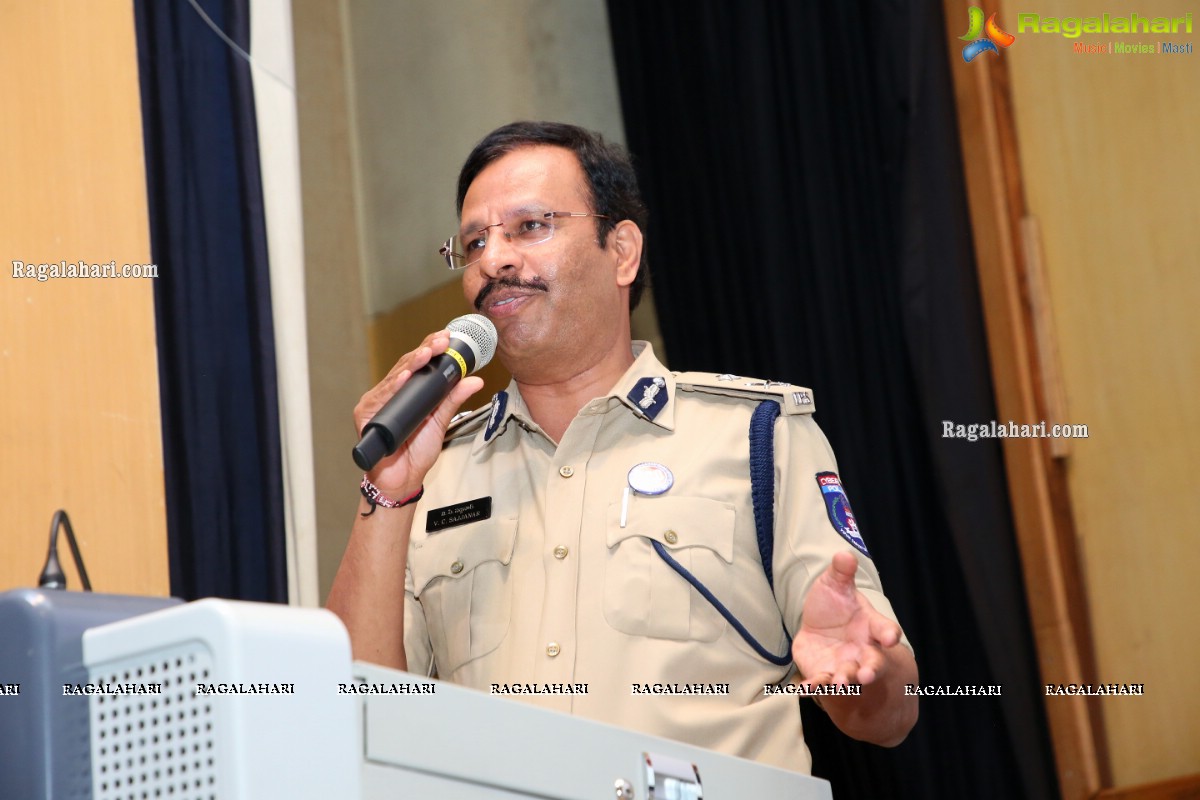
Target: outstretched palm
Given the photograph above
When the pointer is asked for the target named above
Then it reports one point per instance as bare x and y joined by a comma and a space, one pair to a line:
841, 637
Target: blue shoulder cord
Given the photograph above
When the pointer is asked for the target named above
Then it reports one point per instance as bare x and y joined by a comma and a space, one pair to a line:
762, 493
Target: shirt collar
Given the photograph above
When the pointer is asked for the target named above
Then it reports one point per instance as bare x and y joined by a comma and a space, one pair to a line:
647, 390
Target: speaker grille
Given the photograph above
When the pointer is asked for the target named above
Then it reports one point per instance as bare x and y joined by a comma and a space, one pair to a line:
154, 746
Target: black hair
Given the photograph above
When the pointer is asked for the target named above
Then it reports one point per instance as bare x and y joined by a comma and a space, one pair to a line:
611, 181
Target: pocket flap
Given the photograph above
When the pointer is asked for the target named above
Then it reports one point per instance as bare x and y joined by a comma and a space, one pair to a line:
677, 522
454, 553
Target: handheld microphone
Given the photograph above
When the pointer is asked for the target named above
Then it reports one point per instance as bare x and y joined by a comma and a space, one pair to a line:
473, 341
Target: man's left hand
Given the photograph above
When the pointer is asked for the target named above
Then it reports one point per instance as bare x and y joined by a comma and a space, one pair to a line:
843, 640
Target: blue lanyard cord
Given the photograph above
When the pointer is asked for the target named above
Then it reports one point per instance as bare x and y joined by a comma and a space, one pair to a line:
781, 661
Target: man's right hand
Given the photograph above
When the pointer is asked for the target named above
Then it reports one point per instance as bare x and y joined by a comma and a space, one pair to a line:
400, 475
368, 590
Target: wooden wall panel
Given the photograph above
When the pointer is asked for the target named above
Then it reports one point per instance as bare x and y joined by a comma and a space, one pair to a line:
79, 408
1037, 486
1108, 158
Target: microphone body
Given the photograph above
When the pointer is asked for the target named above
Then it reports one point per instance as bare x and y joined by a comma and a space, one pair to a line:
472, 345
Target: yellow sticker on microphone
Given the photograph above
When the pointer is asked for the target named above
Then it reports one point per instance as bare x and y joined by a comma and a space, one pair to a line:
462, 362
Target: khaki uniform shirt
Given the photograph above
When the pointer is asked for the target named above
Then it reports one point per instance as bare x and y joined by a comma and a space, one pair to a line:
550, 591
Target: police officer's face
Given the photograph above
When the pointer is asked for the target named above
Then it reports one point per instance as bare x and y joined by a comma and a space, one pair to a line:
555, 298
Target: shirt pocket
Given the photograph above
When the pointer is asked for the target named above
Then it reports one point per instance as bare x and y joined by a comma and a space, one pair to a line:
462, 579
645, 596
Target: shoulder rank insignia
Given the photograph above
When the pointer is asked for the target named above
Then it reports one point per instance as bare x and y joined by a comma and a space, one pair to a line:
499, 403
792, 399
648, 396
467, 423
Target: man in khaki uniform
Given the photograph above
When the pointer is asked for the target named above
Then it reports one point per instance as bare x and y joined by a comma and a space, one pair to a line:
549, 555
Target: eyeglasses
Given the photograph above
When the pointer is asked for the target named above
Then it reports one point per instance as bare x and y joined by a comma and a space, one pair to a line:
522, 229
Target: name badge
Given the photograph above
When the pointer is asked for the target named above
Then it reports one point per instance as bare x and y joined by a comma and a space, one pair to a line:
458, 514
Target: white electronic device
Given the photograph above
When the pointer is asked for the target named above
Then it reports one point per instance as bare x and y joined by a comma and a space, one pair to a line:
246, 706
261, 701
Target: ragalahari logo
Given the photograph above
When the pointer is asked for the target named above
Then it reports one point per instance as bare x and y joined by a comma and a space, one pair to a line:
983, 37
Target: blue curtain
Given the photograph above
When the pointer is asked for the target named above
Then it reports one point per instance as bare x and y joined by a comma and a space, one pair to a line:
216, 356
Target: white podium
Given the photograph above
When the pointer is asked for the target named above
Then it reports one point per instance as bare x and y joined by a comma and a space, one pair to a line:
223, 700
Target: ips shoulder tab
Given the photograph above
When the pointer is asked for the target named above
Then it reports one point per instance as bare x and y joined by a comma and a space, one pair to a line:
792, 399
467, 423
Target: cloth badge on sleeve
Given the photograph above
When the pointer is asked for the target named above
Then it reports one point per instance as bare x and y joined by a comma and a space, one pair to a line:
840, 514
649, 396
498, 404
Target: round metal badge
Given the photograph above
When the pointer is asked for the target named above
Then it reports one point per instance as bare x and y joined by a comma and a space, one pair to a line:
650, 478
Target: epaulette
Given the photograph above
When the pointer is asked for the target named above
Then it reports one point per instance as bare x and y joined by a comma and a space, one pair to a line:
466, 423
792, 399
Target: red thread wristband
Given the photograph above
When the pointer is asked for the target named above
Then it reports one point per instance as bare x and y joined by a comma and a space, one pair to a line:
377, 498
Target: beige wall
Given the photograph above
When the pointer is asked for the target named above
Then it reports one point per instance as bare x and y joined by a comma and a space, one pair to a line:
392, 97
337, 323
78, 375
430, 79
1109, 149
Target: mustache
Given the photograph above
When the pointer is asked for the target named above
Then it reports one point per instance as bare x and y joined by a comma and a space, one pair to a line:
537, 284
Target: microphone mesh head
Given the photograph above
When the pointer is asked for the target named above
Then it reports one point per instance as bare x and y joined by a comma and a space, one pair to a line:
479, 332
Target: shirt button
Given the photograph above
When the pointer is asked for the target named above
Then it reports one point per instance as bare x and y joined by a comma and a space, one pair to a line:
560, 552
553, 649
456, 567
566, 472
671, 536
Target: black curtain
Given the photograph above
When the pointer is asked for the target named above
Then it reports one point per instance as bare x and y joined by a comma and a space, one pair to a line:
212, 298
808, 223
